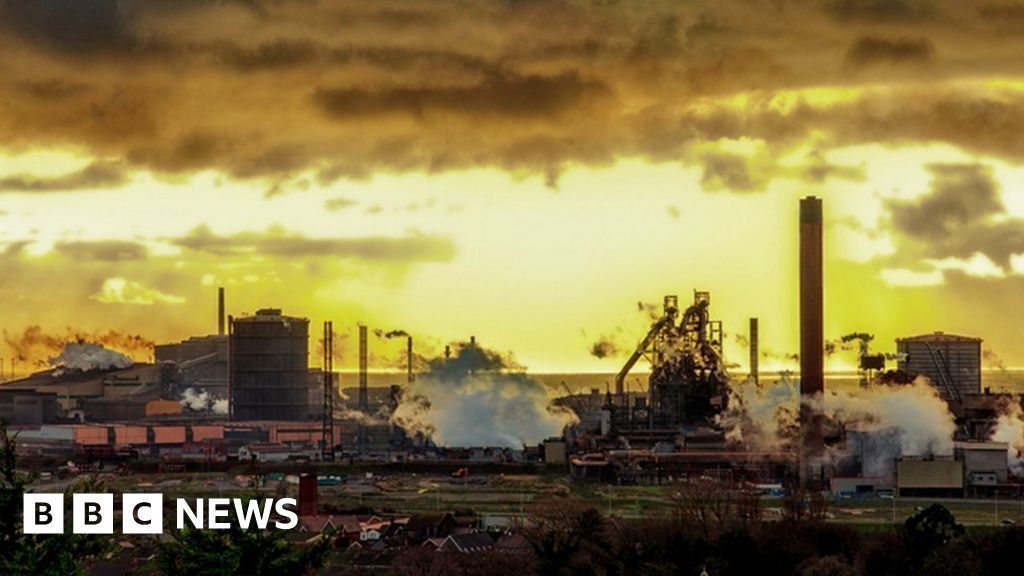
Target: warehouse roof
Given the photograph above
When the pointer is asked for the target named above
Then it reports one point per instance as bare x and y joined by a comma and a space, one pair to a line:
939, 337
996, 446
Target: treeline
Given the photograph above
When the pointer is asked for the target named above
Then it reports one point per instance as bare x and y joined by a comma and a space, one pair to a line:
567, 537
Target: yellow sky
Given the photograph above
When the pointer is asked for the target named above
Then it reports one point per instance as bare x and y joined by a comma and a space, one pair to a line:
522, 172
540, 272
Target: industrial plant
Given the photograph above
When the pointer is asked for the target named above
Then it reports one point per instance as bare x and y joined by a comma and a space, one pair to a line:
249, 393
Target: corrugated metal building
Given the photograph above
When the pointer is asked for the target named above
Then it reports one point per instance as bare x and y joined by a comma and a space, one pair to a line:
200, 362
939, 476
952, 363
985, 462
269, 359
20, 407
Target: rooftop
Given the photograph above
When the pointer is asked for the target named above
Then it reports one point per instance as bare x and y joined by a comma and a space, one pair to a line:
939, 337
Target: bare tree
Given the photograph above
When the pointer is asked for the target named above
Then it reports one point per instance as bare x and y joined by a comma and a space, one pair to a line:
707, 504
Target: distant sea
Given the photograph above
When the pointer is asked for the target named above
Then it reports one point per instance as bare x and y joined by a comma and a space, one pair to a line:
1011, 380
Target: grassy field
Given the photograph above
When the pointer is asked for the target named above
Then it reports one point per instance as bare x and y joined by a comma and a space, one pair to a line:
513, 496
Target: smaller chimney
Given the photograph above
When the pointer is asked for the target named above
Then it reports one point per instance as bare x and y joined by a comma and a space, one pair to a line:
408, 359
307, 495
754, 351
220, 311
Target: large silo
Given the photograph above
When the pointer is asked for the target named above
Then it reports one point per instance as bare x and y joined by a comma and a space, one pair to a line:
270, 367
952, 363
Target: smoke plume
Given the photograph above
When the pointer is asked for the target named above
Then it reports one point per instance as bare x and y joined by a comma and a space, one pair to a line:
479, 398
907, 420
202, 402
1009, 428
854, 341
35, 347
902, 420
604, 347
763, 416
992, 360
83, 357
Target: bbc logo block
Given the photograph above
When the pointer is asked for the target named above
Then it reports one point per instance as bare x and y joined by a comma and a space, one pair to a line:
44, 513
144, 513
93, 513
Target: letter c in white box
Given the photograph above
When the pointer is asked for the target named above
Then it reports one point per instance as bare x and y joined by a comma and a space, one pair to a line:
142, 513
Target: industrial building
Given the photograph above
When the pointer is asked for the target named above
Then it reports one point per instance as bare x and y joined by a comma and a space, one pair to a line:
930, 476
688, 382
73, 389
199, 362
952, 363
20, 407
269, 360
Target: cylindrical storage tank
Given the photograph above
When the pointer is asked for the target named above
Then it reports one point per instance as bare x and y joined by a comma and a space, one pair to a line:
270, 367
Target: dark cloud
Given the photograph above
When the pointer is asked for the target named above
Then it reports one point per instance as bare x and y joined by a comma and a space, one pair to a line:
79, 28
69, 25
507, 95
346, 90
339, 203
869, 50
269, 56
413, 247
95, 175
881, 10
102, 250
961, 197
818, 169
724, 171
961, 215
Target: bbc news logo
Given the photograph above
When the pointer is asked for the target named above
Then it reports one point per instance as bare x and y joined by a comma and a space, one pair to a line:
144, 513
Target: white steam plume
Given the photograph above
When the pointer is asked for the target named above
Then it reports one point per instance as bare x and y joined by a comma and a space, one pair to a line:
82, 357
1010, 429
476, 398
899, 420
762, 416
202, 402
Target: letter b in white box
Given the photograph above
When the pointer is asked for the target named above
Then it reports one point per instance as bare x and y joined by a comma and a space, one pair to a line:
43, 513
142, 513
92, 514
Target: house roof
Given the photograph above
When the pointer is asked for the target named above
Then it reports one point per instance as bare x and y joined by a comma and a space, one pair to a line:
512, 542
433, 542
419, 522
346, 523
471, 542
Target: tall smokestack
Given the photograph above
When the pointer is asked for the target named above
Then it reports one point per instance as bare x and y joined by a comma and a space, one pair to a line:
220, 311
363, 400
812, 339
754, 351
408, 359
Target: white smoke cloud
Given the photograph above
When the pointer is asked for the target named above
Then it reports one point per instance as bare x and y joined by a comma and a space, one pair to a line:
894, 421
1010, 429
473, 399
924, 423
83, 356
202, 401
762, 416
